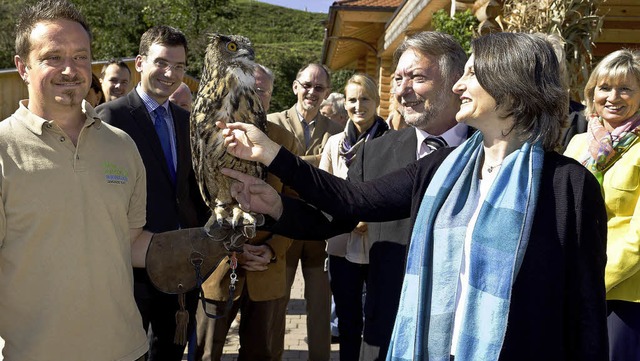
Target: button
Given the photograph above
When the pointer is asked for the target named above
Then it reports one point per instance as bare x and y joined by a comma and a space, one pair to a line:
62, 139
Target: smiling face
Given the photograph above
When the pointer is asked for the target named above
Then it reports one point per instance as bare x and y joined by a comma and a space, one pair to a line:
115, 82
360, 107
58, 68
478, 108
311, 88
158, 74
420, 93
617, 99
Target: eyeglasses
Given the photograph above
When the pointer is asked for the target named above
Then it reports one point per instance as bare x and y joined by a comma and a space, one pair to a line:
263, 91
308, 86
165, 66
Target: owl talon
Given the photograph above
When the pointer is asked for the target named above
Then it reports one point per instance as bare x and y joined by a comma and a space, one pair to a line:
235, 243
249, 230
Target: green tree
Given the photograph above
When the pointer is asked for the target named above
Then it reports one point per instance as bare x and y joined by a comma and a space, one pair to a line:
285, 59
284, 39
116, 26
461, 26
339, 79
9, 11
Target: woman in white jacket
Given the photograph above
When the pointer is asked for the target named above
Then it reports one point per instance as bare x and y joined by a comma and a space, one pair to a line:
349, 252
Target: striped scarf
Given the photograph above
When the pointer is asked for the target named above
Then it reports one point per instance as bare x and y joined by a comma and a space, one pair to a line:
606, 147
425, 319
351, 141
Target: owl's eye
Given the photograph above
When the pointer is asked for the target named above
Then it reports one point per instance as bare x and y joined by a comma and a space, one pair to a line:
232, 46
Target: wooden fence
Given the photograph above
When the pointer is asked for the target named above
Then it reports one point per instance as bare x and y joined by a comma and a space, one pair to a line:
13, 89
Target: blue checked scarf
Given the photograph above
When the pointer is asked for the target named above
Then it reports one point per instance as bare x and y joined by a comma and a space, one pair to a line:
424, 324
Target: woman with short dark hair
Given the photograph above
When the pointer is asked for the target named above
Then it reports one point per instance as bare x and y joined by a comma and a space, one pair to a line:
507, 255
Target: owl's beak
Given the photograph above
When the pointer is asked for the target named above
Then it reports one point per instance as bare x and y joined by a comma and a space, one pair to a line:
251, 54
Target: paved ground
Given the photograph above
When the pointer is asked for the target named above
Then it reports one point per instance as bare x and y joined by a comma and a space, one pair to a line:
294, 344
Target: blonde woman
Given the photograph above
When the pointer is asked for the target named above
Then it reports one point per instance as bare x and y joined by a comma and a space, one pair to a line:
610, 149
349, 252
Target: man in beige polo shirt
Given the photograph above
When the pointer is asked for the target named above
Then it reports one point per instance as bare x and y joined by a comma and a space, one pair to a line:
73, 198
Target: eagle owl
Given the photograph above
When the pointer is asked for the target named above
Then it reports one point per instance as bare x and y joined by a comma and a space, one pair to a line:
226, 93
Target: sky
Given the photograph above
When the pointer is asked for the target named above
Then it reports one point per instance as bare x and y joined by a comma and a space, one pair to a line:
315, 6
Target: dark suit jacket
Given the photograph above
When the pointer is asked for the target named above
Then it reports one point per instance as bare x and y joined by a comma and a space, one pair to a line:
168, 207
376, 158
558, 309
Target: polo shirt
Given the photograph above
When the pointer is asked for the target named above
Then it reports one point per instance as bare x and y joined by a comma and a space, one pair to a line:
66, 282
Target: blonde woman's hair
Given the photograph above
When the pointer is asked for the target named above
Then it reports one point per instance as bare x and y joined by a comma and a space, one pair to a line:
616, 65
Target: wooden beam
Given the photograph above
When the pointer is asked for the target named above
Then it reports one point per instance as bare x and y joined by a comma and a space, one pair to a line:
602, 49
619, 2
619, 36
607, 24
365, 16
629, 11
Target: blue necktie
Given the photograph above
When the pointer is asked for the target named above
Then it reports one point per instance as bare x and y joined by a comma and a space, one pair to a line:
163, 134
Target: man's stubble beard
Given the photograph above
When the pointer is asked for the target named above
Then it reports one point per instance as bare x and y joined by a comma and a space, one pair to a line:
421, 121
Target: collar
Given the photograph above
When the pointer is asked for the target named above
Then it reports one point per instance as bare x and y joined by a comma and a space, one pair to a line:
454, 136
35, 123
301, 118
149, 102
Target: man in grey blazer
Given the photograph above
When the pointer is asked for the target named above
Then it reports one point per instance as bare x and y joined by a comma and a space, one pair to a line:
428, 64
311, 129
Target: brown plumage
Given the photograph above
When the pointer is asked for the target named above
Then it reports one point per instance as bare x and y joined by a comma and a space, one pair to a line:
226, 93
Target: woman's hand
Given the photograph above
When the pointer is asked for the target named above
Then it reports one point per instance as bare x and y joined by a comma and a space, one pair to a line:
255, 195
246, 141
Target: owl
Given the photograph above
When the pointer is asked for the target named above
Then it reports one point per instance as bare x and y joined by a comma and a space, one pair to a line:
226, 93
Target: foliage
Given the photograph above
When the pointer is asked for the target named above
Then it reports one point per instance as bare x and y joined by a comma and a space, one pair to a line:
9, 9
116, 26
461, 26
575, 20
282, 46
339, 79
284, 39
285, 59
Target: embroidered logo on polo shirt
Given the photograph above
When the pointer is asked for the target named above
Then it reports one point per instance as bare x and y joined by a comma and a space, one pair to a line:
115, 174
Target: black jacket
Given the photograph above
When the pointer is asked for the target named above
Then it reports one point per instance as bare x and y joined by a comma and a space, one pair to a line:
168, 206
558, 309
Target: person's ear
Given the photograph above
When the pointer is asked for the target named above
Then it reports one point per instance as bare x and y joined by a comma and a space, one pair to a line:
23, 68
138, 63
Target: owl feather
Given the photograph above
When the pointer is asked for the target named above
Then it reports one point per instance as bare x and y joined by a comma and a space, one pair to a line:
226, 93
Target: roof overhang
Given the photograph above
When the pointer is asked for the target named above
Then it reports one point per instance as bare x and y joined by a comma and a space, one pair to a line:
412, 16
353, 31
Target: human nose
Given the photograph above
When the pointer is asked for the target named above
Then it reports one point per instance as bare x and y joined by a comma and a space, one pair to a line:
458, 87
613, 95
69, 66
404, 86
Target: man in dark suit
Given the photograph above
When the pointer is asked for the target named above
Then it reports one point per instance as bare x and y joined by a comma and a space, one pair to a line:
428, 64
160, 129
